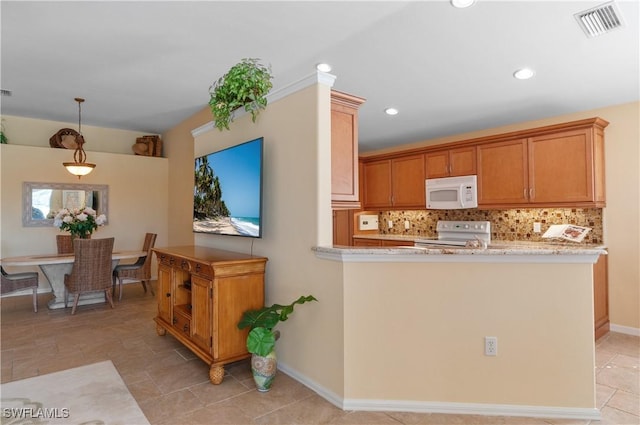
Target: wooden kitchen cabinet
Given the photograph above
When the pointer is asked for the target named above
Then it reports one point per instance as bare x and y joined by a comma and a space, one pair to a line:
450, 162
377, 184
503, 173
380, 242
202, 294
366, 242
343, 227
344, 150
601, 296
565, 167
395, 183
561, 166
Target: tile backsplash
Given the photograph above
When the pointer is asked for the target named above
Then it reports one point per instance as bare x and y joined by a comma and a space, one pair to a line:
513, 224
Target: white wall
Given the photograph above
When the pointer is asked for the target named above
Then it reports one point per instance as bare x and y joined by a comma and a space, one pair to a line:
137, 198
296, 217
415, 333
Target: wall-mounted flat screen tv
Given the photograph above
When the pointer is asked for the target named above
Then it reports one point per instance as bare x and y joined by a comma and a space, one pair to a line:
227, 195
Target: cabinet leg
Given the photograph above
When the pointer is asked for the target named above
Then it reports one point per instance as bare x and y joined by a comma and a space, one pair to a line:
216, 374
160, 330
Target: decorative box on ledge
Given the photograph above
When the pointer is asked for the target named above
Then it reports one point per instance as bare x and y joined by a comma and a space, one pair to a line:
148, 146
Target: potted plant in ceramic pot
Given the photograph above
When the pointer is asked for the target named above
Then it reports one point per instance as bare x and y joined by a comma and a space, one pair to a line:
246, 85
261, 340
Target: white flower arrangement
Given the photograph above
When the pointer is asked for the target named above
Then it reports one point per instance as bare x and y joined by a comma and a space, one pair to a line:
80, 222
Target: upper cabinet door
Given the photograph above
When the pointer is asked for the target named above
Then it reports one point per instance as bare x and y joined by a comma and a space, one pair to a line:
561, 167
407, 179
450, 162
503, 173
344, 150
436, 164
462, 161
377, 184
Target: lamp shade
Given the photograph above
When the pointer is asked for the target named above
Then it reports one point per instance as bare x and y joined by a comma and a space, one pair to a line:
79, 168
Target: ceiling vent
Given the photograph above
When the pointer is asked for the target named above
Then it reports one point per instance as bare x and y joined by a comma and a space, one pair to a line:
599, 20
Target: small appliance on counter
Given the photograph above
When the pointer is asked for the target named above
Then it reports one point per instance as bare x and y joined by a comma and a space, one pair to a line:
475, 234
452, 193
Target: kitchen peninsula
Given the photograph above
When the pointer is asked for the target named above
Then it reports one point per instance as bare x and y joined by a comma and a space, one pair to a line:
439, 305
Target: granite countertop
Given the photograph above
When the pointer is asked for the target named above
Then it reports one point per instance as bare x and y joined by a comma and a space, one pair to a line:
497, 251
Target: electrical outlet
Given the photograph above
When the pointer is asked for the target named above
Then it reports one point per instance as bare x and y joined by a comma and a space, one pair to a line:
537, 227
407, 225
490, 345
390, 223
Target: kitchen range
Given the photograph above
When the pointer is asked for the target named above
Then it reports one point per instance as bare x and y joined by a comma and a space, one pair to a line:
470, 234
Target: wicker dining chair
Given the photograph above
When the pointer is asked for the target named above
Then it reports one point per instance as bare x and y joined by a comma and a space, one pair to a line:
65, 244
140, 271
12, 282
91, 270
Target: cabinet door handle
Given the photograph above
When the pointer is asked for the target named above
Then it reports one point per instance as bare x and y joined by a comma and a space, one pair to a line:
174, 321
168, 294
530, 193
185, 328
524, 193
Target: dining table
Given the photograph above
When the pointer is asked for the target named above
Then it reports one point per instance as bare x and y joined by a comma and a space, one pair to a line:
55, 266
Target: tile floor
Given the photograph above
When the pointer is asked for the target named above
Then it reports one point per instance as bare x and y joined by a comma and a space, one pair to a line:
171, 385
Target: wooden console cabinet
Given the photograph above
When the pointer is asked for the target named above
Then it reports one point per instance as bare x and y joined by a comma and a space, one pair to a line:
202, 293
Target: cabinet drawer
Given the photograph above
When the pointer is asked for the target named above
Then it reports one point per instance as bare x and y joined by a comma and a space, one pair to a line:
190, 266
167, 260
201, 269
181, 322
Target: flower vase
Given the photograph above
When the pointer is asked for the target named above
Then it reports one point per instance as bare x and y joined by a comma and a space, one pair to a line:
75, 236
264, 370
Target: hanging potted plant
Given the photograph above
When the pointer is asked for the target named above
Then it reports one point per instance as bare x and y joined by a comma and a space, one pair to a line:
246, 85
3, 137
261, 340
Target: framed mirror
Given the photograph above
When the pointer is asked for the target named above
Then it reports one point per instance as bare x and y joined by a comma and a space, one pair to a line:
41, 201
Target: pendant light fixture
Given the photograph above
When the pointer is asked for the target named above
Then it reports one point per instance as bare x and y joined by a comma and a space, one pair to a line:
79, 167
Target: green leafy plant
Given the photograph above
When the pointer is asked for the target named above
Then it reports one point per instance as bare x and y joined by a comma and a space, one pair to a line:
3, 137
262, 338
246, 85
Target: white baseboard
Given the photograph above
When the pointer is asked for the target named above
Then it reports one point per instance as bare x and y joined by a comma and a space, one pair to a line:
442, 407
474, 409
624, 329
323, 392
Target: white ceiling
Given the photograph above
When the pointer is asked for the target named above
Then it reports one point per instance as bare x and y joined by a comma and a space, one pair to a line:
148, 65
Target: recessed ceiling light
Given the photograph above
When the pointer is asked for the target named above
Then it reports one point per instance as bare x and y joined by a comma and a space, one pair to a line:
461, 4
523, 74
323, 67
391, 111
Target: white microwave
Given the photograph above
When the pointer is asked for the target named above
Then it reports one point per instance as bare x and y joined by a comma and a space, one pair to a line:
452, 193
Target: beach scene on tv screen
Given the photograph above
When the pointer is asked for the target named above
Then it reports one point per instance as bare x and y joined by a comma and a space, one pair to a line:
227, 191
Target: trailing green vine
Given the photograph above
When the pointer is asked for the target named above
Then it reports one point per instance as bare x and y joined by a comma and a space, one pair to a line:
246, 85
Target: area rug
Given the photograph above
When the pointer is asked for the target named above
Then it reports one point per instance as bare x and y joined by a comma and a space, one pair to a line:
94, 394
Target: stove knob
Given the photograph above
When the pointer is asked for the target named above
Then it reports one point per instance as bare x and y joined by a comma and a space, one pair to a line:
466, 226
